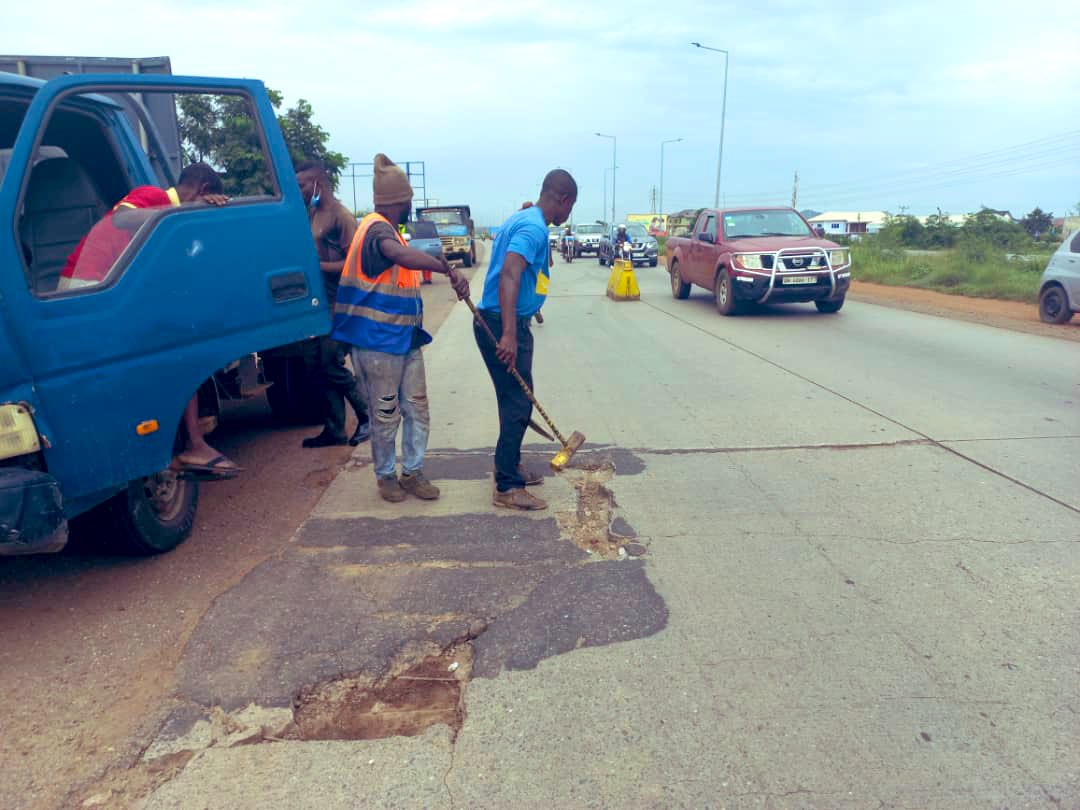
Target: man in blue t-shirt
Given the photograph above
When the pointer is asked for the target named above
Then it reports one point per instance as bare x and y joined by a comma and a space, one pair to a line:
514, 290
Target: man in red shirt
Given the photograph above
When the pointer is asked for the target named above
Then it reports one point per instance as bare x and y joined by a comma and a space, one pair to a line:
93, 259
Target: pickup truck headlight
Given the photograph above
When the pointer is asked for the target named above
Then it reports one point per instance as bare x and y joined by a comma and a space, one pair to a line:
749, 261
18, 436
839, 258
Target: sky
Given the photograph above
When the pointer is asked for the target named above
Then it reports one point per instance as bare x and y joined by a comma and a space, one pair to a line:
905, 107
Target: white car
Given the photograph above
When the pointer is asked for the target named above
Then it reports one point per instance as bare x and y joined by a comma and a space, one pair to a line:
1059, 288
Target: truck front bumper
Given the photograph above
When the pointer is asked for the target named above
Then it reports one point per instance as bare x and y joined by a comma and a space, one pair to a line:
31, 512
756, 288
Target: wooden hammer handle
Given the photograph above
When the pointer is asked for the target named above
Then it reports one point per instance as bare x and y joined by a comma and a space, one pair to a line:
514, 372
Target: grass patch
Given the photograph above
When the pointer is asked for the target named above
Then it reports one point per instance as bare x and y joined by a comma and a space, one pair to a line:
978, 273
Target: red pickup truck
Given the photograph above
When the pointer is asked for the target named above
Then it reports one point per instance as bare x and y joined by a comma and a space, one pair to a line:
758, 255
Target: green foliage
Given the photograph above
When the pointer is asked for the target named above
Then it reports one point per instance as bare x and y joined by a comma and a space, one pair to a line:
1038, 223
222, 131
975, 269
307, 140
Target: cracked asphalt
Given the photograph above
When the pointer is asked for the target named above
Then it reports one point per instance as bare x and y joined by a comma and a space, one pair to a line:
859, 584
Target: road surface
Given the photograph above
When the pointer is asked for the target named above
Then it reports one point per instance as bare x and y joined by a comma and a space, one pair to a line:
848, 578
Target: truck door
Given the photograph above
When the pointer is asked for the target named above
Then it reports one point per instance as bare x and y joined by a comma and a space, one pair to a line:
702, 252
117, 350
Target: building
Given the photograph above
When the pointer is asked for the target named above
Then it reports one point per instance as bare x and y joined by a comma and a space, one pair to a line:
849, 223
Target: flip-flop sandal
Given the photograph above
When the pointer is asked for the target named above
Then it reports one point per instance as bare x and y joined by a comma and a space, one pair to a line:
210, 470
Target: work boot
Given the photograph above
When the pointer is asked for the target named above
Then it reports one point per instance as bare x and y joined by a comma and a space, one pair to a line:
418, 485
532, 478
390, 489
361, 434
325, 439
518, 499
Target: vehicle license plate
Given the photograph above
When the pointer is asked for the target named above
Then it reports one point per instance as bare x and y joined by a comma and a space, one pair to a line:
800, 280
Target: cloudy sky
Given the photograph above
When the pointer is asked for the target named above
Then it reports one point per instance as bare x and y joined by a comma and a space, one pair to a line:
913, 105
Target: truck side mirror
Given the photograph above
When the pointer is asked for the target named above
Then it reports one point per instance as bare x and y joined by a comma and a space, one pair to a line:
707, 237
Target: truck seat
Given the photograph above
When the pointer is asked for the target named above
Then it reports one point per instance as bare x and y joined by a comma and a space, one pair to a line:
60, 208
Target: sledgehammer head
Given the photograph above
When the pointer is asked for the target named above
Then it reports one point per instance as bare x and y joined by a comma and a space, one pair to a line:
562, 458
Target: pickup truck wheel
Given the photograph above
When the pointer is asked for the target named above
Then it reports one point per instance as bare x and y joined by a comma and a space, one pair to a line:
679, 288
153, 515
726, 304
1054, 305
829, 307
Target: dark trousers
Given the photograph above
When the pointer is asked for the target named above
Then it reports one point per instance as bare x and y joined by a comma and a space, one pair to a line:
515, 410
338, 385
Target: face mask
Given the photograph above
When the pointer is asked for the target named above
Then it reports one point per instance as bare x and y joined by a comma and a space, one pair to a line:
315, 197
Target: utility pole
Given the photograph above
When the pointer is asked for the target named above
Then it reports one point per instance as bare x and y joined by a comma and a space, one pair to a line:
652, 200
614, 145
723, 118
795, 192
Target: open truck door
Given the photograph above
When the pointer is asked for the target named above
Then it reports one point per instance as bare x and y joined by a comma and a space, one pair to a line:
106, 366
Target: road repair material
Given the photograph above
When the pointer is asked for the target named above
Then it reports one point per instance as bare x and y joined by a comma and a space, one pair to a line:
569, 446
622, 283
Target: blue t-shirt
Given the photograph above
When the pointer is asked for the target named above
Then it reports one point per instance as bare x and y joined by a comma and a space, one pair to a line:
525, 233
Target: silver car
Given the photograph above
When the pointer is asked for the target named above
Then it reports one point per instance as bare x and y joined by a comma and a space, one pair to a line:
1059, 288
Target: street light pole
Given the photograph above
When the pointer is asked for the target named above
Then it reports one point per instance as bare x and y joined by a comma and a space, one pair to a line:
723, 117
662, 145
614, 143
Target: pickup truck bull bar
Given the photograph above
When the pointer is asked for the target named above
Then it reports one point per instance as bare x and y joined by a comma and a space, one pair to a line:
811, 255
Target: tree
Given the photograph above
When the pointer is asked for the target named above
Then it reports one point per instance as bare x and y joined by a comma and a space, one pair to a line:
307, 140
221, 130
1038, 223
988, 226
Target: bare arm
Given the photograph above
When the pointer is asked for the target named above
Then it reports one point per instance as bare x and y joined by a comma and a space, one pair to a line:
415, 259
509, 286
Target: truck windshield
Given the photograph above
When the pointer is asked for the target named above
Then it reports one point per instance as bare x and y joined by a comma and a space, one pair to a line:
744, 224
444, 217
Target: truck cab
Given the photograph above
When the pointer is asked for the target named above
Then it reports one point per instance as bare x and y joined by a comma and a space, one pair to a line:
456, 231
94, 378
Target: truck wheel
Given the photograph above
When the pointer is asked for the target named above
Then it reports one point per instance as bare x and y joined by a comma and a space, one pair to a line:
1054, 305
470, 258
829, 307
679, 288
726, 304
153, 515
295, 393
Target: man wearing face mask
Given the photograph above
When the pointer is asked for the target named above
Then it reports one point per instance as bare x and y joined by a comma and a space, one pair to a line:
379, 312
332, 227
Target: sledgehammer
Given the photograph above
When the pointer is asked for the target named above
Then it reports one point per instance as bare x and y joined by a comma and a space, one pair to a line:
569, 446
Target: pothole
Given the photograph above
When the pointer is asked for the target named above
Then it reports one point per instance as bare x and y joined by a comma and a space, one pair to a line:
589, 525
403, 705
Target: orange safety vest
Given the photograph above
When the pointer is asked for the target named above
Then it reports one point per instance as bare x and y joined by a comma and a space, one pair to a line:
377, 314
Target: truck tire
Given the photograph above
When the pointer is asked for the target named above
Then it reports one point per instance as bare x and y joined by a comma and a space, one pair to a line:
679, 288
1054, 305
295, 393
829, 307
724, 294
153, 515
470, 257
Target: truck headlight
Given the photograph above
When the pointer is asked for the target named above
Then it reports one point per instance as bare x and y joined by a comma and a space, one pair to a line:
18, 436
838, 258
749, 261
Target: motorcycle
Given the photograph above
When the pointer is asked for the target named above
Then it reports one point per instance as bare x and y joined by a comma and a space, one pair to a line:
568, 249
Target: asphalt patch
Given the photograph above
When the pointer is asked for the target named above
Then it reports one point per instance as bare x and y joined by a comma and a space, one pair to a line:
588, 606
477, 463
364, 599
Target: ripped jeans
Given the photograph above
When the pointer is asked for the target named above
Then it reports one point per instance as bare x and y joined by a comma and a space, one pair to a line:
396, 390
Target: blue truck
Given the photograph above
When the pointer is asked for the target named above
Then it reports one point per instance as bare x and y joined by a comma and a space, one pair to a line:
94, 378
